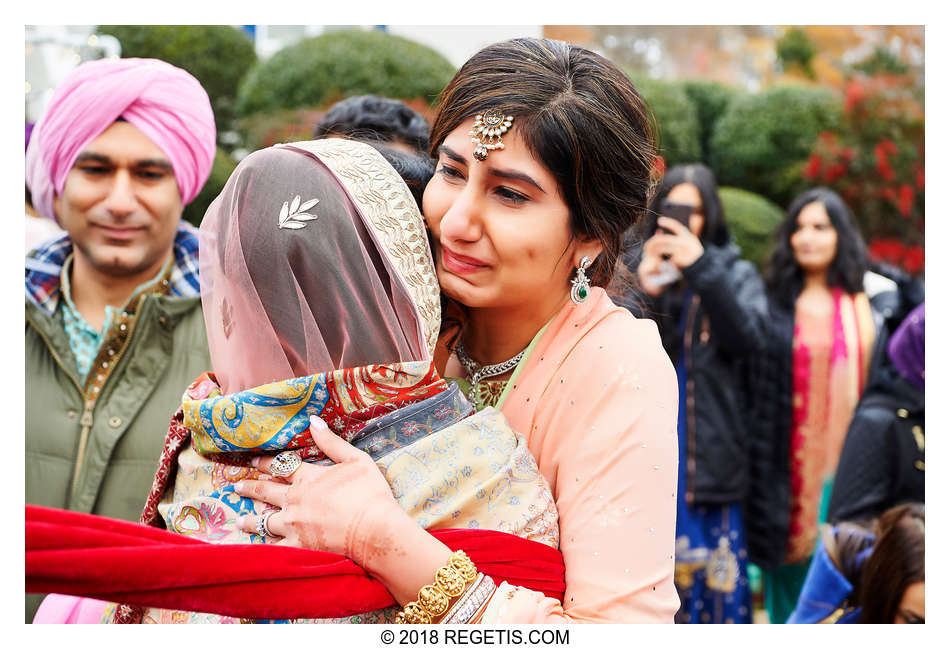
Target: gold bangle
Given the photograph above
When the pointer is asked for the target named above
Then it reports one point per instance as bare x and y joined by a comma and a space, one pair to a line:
434, 600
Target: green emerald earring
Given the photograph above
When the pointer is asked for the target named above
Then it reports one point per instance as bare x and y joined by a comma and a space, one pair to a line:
580, 285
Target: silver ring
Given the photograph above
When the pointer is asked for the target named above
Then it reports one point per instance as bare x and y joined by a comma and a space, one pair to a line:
285, 463
262, 529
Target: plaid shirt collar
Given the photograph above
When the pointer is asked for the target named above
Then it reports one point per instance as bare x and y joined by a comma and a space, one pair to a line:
45, 264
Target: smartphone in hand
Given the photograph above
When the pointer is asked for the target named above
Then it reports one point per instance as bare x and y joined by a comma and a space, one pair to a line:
677, 211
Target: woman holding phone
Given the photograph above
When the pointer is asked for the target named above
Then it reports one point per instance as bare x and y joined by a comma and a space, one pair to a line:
710, 307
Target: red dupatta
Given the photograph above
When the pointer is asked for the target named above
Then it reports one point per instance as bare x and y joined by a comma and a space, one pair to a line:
104, 558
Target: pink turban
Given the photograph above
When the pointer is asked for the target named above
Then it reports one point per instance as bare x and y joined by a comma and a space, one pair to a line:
166, 103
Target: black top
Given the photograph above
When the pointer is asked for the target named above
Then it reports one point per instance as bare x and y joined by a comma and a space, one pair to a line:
882, 461
724, 321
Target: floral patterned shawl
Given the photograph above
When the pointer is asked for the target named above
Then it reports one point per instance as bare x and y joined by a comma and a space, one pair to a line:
446, 468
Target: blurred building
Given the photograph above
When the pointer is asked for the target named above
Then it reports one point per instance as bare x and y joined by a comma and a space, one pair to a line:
742, 55
52, 51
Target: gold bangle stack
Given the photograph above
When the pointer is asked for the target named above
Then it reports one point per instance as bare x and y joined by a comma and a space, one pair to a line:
435, 599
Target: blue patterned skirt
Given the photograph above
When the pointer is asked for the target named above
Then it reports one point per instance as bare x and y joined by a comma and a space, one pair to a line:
711, 551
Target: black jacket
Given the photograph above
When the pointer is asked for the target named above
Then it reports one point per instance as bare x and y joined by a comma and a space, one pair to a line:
895, 304
724, 323
768, 505
882, 461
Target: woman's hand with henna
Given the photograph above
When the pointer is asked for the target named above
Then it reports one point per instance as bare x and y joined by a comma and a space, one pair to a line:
346, 508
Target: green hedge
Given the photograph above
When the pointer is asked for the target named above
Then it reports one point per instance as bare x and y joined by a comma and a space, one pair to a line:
761, 142
217, 55
676, 119
220, 172
319, 71
753, 220
710, 99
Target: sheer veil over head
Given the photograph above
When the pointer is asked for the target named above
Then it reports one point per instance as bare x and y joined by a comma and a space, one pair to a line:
314, 257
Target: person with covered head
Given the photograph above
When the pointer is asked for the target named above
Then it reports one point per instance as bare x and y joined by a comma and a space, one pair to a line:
114, 327
321, 300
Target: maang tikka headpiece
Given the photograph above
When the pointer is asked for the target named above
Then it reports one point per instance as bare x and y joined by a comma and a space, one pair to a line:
487, 132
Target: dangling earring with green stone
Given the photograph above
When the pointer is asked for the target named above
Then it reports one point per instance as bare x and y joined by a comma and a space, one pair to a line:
580, 285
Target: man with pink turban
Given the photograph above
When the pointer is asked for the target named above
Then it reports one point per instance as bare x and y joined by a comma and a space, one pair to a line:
114, 329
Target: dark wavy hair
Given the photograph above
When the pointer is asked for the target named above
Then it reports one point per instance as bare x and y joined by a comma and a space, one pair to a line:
580, 116
896, 562
880, 558
373, 118
784, 279
715, 230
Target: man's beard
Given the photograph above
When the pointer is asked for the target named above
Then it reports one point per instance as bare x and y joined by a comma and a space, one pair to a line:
117, 265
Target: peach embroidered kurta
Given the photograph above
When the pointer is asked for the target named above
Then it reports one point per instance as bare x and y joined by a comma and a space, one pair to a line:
597, 402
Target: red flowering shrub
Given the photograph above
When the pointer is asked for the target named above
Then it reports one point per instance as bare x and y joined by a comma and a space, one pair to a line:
875, 160
895, 252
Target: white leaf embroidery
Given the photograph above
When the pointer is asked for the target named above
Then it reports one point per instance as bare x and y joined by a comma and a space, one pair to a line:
283, 213
293, 216
307, 205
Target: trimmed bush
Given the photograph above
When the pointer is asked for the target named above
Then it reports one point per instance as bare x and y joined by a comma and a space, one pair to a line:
710, 99
762, 141
218, 56
220, 172
262, 130
290, 125
752, 220
795, 49
316, 72
676, 120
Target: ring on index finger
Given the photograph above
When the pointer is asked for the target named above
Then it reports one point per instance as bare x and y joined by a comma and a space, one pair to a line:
285, 463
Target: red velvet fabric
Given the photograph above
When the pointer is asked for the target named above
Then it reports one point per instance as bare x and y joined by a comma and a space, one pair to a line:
94, 556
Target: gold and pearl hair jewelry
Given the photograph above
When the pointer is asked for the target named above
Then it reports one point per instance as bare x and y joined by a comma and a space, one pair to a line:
487, 131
